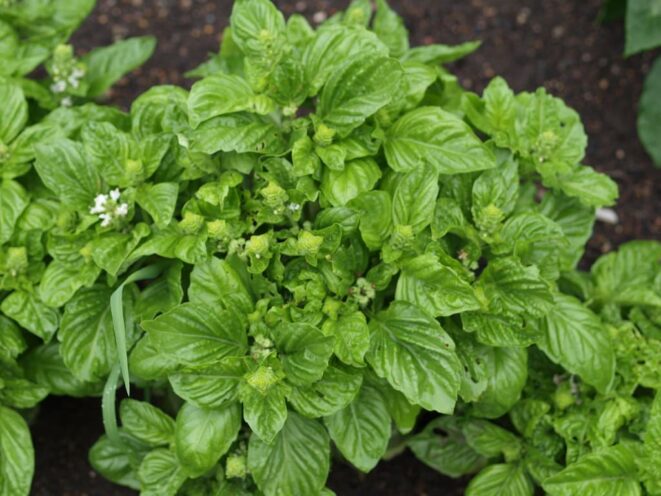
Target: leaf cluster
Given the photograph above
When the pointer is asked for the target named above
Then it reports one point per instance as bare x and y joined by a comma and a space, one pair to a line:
332, 237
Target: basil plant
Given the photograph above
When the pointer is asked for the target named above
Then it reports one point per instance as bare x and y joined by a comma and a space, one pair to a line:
328, 247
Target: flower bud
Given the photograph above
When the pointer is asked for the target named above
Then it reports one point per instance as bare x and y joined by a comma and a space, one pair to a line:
258, 245
308, 243
191, 223
262, 379
324, 135
17, 260
236, 466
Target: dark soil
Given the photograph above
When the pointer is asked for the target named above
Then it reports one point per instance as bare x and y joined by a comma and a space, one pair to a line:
553, 43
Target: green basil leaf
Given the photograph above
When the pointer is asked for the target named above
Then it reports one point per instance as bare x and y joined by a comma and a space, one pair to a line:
332, 46
219, 282
573, 336
118, 461
374, 209
649, 113
435, 287
575, 220
498, 115
490, 440
403, 413
495, 194
357, 90
12, 342
223, 94
106, 65
110, 150
86, 334
256, 26
111, 250
21, 393
589, 186
499, 330
296, 462
352, 337
31, 313
162, 294
549, 131
13, 201
240, 132
65, 170
441, 54
45, 366
442, 446
414, 198
361, 430
159, 201
265, 411
14, 113
643, 22
304, 158
191, 335
22, 149
507, 371
625, 277
415, 355
160, 474
358, 176
504, 478
429, 134
510, 287
334, 391
390, 29
304, 352
608, 471
146, 423
147, 363
204, 435
210, 387
17, 454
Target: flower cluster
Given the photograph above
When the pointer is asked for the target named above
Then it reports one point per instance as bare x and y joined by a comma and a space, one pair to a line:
67, 73
109, 207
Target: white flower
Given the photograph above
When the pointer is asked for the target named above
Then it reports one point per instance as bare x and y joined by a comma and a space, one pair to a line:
122, 209
106, 218
294, 207
66, 101
99, 204
73, 82
58, 87
77, 73
108, 208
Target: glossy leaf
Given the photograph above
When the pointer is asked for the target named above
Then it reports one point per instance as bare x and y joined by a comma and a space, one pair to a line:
361, 430
16, 455
296, 462
573, 336
439, 138
204, 435
415, 355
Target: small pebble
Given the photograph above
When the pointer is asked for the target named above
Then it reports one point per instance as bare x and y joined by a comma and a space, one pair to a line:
319, 17
523, 16
607, 215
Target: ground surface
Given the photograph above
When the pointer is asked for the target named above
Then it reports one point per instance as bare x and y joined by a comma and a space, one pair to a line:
553, 43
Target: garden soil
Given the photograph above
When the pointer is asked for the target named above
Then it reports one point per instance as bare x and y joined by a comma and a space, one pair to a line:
557, 44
